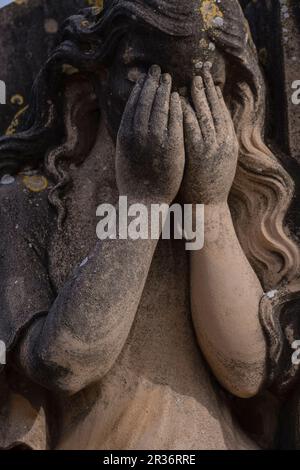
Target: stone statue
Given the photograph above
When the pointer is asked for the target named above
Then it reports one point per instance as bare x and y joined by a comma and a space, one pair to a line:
123, 344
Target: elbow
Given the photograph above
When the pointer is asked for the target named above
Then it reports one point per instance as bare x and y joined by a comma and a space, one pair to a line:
67, 384
244, 383
69, 375
56, 367
244, 390
60, 378
242, 380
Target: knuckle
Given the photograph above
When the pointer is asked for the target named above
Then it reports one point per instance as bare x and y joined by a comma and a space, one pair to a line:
140, 137
156, 137
211, 143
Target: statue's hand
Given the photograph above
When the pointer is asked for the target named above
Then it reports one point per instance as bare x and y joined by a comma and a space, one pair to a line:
211, 145
150, 143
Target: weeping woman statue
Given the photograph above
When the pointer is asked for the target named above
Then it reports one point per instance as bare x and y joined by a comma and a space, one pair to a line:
139, 344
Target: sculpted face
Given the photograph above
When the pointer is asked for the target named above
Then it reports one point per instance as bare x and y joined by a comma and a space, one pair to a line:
139, 50
179, 51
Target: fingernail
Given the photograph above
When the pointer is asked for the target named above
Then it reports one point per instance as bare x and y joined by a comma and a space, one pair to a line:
141, 80
155, 71
166, 78
198, 82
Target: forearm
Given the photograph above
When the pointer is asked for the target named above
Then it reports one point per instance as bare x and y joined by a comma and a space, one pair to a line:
88, 324
225, 295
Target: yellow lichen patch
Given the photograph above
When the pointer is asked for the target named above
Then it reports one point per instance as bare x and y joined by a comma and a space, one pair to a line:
35, 183
203, 44
51, 26
209, 11
85, 23
263, 56
69, 69
15, 122
21, 2
17, 99
96, 3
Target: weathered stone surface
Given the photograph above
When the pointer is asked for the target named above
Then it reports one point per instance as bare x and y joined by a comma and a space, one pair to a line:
126, 330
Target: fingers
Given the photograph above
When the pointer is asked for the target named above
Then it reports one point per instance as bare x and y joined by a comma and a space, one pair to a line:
160, 112
213, 101
203, 111
145, 103
192, 130
129, 112
175, 127
228, 123
209, 112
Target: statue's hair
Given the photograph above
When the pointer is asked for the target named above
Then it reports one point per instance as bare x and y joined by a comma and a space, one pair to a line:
55, 130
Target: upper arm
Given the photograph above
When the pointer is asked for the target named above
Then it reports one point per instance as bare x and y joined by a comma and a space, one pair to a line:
27, 319
25, 288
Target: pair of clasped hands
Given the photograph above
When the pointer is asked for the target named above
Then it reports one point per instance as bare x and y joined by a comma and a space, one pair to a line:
168, 145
